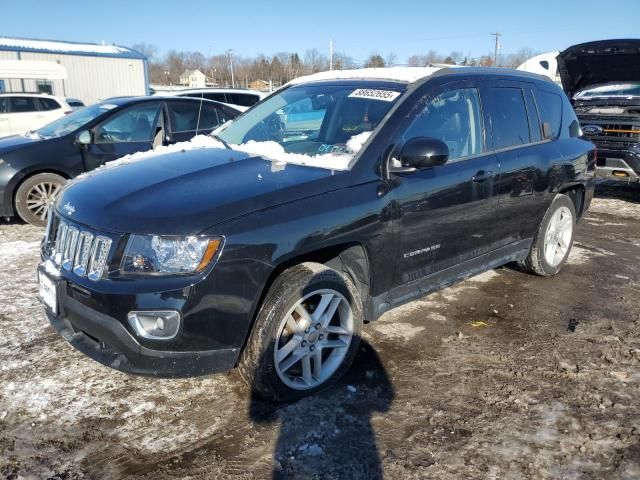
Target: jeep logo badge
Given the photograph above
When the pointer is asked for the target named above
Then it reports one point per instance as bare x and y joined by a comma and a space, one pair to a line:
70, 209
592, 129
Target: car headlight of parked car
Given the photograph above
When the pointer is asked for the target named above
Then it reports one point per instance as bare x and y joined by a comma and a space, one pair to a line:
169, 255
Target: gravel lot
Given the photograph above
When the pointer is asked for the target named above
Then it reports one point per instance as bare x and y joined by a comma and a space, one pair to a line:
481, 380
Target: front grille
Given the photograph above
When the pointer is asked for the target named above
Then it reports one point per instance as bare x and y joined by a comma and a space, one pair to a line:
616, 130
78, 250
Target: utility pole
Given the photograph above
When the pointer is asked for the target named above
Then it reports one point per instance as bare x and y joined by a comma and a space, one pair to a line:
233, 82
496, 48
330, 54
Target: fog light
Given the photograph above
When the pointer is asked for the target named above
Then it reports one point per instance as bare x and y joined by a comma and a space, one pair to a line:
155, 324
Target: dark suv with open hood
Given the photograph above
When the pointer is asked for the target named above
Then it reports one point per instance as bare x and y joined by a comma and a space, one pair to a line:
339, 197
602, 79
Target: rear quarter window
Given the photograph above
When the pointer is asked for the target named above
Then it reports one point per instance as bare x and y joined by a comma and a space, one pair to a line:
49, 104
550, 109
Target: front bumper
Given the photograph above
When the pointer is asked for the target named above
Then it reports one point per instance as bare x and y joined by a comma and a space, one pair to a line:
106, 340
618, 165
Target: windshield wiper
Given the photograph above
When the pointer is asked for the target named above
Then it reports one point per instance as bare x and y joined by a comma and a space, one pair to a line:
216, 137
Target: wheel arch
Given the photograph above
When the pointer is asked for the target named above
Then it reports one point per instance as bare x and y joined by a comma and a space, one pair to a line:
577, 195
23, 176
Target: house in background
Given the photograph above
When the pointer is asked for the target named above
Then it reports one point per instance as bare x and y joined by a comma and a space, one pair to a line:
88, 71
193, 79
260, 85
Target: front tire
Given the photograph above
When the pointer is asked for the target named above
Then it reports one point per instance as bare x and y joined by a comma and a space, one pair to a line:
34, 196
306, 333
554, 240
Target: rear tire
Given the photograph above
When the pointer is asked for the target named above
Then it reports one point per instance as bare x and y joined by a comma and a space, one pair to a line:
34, 196
305, 335
552, 244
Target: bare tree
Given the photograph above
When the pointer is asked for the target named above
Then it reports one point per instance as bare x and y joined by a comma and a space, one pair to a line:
375, 60
391, 59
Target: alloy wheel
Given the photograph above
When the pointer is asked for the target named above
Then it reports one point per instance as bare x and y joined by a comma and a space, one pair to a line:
558, 236
40, 197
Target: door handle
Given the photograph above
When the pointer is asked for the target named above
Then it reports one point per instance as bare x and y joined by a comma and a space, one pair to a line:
482, 176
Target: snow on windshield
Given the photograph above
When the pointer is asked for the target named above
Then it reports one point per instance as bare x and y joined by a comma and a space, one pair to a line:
332, 161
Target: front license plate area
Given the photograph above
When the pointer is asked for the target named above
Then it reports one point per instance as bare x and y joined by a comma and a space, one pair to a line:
48, 292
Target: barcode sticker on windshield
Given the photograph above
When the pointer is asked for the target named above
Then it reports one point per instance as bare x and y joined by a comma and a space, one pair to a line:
384, 95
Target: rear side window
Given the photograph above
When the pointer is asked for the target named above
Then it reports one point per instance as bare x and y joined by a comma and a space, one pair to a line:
550, 108
49, 104
4, 105
243, 99
216, 97
23, 104
509, 118
192, 116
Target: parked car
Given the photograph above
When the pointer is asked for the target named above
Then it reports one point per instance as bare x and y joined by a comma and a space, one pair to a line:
602, 79
36, 165
75, 103
198, 261
235, 97
22, 112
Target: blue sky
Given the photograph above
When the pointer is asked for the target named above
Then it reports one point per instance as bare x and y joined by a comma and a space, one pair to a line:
358, 28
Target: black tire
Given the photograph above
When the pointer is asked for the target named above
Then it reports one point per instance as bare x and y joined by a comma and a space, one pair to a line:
257, 364
29, 190
536, 262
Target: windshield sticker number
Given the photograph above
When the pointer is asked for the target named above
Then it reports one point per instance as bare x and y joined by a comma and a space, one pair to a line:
384, 95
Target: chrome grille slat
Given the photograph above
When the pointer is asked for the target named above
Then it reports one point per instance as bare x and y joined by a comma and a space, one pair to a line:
80, 251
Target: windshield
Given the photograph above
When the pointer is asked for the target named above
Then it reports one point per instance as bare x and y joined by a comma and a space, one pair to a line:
612, 90
321, 125
73, 121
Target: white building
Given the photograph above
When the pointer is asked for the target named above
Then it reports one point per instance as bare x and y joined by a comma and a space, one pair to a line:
90, 72
193, 79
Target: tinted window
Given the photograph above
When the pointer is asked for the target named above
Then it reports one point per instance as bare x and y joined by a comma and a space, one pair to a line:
509, 118
217, 97
190, 117
3, 105
23, 104
135, 124
550, 108
242, 99
49, 104
455, 118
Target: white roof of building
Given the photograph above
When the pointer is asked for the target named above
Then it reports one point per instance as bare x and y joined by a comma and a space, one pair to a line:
402, 74
72, 48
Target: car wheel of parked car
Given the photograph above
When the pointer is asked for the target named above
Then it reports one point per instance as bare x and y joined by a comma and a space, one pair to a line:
305, 335
553, 243
35, 195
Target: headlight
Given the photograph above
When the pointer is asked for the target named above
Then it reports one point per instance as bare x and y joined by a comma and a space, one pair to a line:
160, 255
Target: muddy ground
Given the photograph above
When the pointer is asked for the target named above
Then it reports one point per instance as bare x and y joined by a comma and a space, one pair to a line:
481, 380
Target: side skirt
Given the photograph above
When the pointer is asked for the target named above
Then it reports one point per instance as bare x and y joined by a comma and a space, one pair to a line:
437, 281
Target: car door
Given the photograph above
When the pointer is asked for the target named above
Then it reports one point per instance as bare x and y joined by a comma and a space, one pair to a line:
523, 156
128, 130
5, 117
25, 114
190, 118
447, 212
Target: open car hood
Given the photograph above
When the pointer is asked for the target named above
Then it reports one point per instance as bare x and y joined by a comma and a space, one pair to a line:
596, 63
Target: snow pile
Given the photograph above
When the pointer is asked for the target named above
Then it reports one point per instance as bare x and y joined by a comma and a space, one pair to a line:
197, 142
402, 74
331, 161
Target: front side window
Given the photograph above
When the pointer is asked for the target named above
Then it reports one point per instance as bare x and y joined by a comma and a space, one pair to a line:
509, 118
313, 124
23, 104
455, 117
134, 124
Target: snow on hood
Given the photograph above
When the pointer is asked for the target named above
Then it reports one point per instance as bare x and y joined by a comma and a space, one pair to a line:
271, 150
332, 161
402, 74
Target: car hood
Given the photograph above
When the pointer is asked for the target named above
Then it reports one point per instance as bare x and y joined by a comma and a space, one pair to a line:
184, 193
16, 142
596, 63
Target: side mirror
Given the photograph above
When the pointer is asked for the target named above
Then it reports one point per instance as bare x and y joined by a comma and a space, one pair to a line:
424, 152
84, 137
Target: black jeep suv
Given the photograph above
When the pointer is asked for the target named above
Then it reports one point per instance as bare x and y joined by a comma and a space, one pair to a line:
602, 79
329, 203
